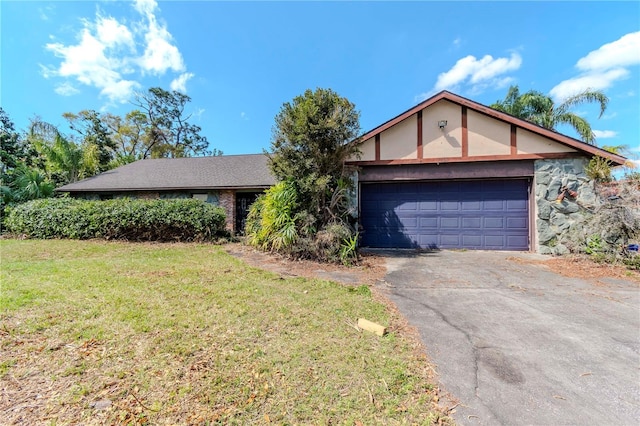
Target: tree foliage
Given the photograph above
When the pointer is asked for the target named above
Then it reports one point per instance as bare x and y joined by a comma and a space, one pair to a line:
65, 161
14, 151
306, 215
541, 109
313, 137
20, 180
170, 134
130, 136
94, 136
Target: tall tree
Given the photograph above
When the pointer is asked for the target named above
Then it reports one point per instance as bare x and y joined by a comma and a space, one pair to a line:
19, 179
131, 136
94, 135
170, 133
13, 149
542, 110
310, 143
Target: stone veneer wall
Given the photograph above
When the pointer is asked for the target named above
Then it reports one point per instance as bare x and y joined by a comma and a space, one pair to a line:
555, 220
227, 200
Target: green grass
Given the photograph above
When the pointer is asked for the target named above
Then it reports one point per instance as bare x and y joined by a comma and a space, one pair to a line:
186, 334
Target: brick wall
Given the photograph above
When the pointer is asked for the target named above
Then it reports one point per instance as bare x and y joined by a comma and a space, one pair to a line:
227, 201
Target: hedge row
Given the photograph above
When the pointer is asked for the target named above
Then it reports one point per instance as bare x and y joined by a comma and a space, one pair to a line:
126, 219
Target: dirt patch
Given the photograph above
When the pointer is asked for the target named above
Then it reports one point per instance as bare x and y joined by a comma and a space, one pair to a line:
370, 270
575, 266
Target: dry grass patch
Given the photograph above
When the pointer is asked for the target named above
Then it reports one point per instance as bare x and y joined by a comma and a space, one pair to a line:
97, 332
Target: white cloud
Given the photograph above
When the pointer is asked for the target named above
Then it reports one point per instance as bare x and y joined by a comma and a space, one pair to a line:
476, 74
605, 134
179, 84
145, 6
105, 51
160, 54
112, 33
66, 89
602, 67
623, 52
591, 81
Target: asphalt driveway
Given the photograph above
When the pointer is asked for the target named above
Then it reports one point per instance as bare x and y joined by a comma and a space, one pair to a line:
517, 344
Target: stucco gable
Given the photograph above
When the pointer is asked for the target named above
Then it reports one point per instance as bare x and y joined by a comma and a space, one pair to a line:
473, 132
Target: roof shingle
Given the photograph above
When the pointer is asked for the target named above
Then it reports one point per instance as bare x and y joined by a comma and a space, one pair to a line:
220, 172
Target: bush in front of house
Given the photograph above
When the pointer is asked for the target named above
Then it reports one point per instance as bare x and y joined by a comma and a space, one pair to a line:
276, 223
122, 219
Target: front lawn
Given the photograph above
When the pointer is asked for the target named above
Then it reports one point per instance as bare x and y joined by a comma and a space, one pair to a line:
96, 332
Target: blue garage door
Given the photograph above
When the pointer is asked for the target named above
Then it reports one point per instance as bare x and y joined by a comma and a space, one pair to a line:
482, 214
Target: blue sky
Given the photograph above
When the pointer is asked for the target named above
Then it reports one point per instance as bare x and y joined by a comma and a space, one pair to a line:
240, 61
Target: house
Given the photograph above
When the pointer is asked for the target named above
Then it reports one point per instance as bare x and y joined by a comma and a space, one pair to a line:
447, 173
231, 181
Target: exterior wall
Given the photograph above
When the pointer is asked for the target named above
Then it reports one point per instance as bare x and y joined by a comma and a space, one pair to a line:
440, 143
147, 195
470, 135
400, 141
488, 136
530, 143
368, 150
227, 200
555, 219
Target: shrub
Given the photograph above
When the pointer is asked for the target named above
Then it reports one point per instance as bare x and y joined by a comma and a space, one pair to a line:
127, 219
275, 224
271, 223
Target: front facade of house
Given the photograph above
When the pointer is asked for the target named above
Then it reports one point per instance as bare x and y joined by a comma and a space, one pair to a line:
233, 182
448, 173
452, 173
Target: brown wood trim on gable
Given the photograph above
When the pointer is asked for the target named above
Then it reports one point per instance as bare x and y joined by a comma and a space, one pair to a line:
514, 140
377, 147
465, 133
419, 148
443, 160
498, 115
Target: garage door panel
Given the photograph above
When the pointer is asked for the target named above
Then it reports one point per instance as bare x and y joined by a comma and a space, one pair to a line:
472, 222
430, 222
493, 205
449, 223
450, 205
452, 214
472, 241
517, 205
493, 222
428, 205
409, 205
516, 223
468, 205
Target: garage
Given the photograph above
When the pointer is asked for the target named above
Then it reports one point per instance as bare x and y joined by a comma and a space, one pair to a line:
451, 173
471, 214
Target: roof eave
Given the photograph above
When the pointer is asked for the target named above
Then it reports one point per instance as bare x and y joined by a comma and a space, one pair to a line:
154, 189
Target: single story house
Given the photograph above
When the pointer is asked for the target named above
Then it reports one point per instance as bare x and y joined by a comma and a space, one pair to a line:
447, 173
231, 181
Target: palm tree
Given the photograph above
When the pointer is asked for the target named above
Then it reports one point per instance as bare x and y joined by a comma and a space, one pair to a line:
63, 157
30, 184
542, 110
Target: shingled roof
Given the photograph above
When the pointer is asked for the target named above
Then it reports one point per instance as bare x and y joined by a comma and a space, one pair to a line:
221, 172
